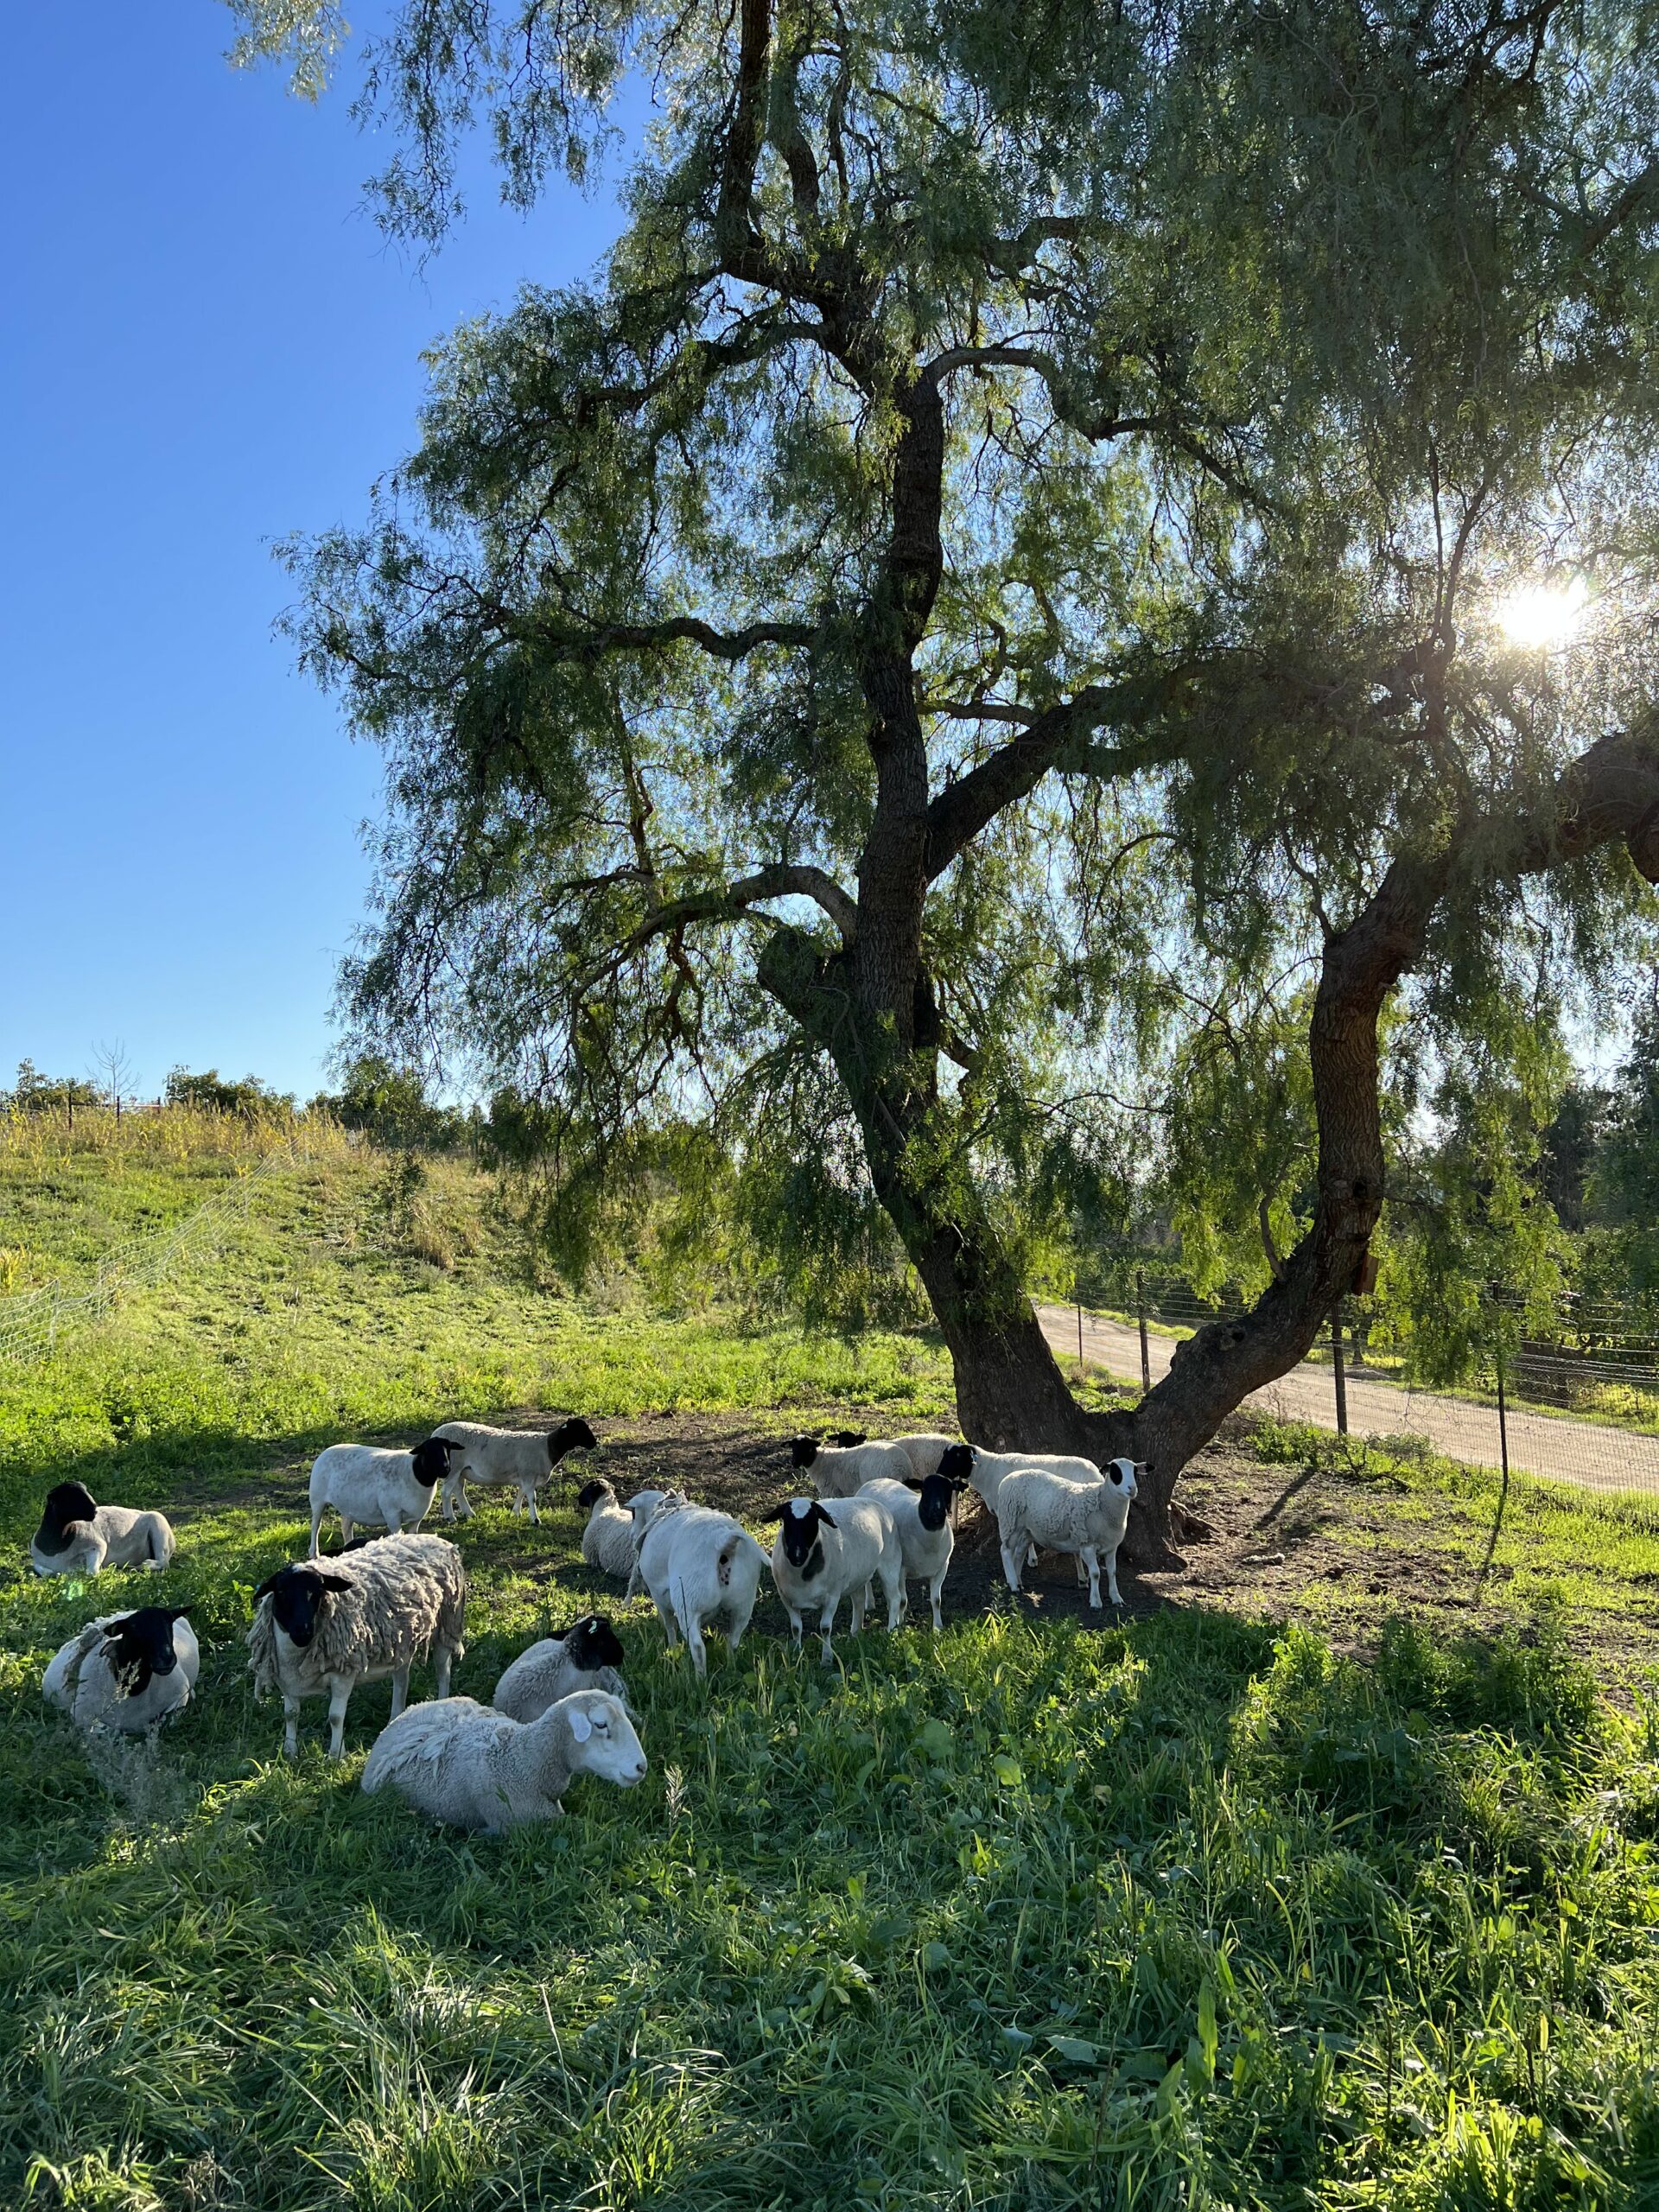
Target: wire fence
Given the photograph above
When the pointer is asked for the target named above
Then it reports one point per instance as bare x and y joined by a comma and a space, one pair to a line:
33, 1322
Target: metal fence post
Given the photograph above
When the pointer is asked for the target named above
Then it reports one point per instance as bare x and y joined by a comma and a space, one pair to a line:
1079, 1340
1141, 1315
1502, 1424
1337, 1370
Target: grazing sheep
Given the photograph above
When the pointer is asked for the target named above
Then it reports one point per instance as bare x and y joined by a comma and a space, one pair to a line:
585, 1657
611, 1539
366, 1483
507, 1458
921, 1514
1035, 1506
468, 1766
368, 1614
76, 1537
841, 1469
701, 1567
127, 1670
820, 1558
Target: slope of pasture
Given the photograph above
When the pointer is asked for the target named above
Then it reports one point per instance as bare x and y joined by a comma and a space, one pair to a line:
1189, 1912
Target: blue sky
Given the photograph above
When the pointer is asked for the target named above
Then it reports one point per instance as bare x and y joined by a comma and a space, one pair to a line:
207, 347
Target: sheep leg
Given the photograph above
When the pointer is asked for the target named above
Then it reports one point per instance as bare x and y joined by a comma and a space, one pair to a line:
400, 1689
694, 1645
1011, 1564
1111, 1577
317, 1512
1091, 1559
441, 1666
896, 1601
395, 1521
670, 1627
530, 1505
344, 1531
340, 1696
291, 1727
935, 1590
827, 1624
795, 1627
449, 1502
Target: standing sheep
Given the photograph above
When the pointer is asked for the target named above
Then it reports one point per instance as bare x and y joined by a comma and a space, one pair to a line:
76, 1537
464, 1763
821, 1557
841, 1469
126, 1671
368, 1483
502, 1458
921, 1514
585, 1657
1037, 1507
701, 1567
320, 1631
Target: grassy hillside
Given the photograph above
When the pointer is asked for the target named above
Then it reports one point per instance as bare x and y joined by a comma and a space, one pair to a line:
1189, 1913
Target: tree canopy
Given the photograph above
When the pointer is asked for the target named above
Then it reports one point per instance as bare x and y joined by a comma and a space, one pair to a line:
978, 651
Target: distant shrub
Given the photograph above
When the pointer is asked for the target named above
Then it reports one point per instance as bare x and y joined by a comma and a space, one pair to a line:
213, 1093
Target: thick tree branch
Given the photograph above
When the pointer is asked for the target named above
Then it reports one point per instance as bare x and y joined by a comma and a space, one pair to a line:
725, 902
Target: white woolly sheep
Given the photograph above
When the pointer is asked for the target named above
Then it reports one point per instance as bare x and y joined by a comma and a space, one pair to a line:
471, 1767
921, 1513
320, 1631
702, 1568
505, 1458
126, 1670
1035, 1506
643, 1509
367, 1484
610, 1542
585, 1657
925, 1452
842, 1468
822, 1557
76, 1537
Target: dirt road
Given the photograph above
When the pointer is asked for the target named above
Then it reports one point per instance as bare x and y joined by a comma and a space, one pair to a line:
1541, 1444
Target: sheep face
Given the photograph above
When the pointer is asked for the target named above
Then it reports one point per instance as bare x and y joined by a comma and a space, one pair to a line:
1124, 1475
957, 1463
593, 1643
65, 1504
844, 1439
590, 1493
431, 1460
800, 1521
935, 1494
606, 1742
802, 1451
569, 1436
296, 1594
140, 1645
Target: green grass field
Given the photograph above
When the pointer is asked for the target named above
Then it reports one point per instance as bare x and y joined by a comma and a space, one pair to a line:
1195, 1912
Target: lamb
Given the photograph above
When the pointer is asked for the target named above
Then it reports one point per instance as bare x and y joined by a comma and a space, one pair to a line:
585, 1657
700, 1567
464, 1763
126, 1671
611, 1539
921, 1514
820, 1558
987, 1470
370, 1613
506, 1457
366, 1483
76, 1537
1035, 1506
841, 1469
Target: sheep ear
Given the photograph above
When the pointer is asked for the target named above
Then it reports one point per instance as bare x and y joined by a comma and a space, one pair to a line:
913, 1482
580, 1726
828, 1519
336, 1582
268, 1584
180, 1612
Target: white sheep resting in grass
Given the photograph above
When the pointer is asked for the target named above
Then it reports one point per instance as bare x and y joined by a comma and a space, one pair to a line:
505, 1458
921, 1513
1036, 1507
370, 1487
471, 1767
77, 1537
610, 1541
585, 1657
127, 1670
841, 1467
320, 1631
701, 1569
822, 1555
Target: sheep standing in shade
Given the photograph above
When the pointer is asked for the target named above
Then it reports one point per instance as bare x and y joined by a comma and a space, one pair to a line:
126, 1671
320, 1631
842, 1468
585, 1657
921, 1514
505, 1458
925, 1452
822, 1557
77, 1537
611, 1539
1036, 1507
366, 1483
471, 1767
701, 1569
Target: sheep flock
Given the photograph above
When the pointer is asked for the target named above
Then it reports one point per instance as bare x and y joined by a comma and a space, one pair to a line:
883, 1514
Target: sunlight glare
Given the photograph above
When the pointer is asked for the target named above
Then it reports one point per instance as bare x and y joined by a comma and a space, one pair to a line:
1540, 617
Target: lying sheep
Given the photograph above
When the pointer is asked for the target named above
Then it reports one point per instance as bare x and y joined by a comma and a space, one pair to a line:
585, 1657
368, 1614
821, 1558
701, 1568
471, 1767
921, 1514
841, 1469
127, 1670
1037, 1507
611, 1539
76, 1537
368, 1483
517, 1458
